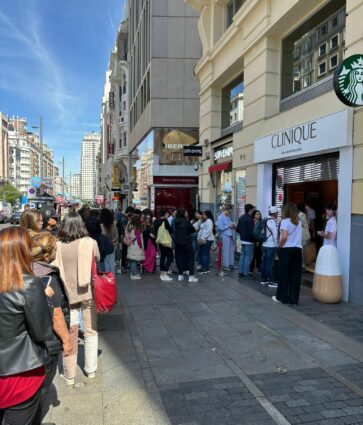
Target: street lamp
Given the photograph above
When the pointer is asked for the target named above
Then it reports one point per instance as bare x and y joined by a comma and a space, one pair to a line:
40, 126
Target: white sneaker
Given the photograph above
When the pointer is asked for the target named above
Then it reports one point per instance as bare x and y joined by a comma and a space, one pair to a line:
180, 278
69, 381
135, 277
165, 278
275, 299
91, 375
192, 279
273, 285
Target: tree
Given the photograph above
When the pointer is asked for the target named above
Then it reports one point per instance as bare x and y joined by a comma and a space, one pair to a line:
9, 193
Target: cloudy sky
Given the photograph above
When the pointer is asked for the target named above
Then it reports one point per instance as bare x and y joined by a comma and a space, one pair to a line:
53, 58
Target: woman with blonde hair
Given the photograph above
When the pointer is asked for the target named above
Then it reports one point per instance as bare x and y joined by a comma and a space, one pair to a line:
44, 253
26, 325
290, 256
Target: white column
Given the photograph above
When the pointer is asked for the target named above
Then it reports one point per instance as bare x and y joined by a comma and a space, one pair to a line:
264, 188
344, 215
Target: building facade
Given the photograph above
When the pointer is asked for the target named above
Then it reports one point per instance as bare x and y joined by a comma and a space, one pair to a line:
25, 156
4, 148
114, 163
163, 49
76, 186
89, 149
297, 140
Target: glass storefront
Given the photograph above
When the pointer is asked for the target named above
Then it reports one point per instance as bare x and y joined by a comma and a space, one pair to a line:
223, 190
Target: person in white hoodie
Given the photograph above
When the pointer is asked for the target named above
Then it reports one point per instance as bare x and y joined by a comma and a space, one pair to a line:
205, 240
269, 248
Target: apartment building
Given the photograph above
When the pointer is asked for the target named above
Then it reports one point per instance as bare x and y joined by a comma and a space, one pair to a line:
297, 140
76, 186
4, 148
163, 49
114, 162
89, 149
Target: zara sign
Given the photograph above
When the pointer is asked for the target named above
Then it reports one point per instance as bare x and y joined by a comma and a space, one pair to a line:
322, 134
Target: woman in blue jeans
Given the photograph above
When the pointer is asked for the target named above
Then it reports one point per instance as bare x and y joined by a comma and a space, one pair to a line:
206, 234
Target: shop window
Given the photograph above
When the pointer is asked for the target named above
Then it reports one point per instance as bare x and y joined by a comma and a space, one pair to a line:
303, 49
232, 102
232, 8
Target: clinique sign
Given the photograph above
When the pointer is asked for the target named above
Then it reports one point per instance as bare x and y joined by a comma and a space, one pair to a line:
321, 134
298, 135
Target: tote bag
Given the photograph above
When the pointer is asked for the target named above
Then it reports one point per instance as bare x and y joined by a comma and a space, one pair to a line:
105, 290
163, 237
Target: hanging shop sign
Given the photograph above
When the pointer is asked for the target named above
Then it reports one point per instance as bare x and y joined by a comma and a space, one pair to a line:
222, 153
192, 151
348, 81
184, 180
322, 134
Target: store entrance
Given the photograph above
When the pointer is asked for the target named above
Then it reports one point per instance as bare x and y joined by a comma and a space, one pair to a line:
313, 181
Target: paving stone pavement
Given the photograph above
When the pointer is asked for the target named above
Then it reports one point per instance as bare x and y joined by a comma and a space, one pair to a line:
217, 352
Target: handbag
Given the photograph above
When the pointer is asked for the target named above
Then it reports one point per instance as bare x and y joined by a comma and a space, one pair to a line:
127, 239
105, 291
201, 242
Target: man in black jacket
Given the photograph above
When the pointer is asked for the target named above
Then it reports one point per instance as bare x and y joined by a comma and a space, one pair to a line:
245, 231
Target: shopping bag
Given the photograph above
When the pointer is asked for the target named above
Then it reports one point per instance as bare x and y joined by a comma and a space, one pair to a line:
105, 291
163, 237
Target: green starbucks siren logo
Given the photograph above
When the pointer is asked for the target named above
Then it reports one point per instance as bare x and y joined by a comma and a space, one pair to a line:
348, 81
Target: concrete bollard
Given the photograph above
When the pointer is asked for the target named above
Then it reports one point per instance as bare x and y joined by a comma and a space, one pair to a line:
328, 285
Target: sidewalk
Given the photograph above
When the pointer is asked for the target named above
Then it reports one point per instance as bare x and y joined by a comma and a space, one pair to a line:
219, 352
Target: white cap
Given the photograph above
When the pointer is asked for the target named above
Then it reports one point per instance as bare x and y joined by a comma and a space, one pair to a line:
273, 210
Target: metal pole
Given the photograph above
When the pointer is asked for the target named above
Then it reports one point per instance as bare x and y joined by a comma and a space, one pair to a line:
70, 184
63, 177
41, 149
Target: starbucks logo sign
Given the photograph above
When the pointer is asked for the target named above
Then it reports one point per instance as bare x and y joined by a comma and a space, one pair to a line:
348, 81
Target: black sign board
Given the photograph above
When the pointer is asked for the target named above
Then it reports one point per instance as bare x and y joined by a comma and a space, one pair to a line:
192, 151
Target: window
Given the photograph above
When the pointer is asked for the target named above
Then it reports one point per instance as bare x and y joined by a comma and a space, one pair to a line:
322, 49
232, 8
334, 42
321, 68
304, 50
232, 98
323, 31
333, 63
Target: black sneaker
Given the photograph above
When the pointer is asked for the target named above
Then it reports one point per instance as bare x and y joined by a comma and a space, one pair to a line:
241, 275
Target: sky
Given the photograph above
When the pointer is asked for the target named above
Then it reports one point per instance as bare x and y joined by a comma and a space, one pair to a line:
53, 58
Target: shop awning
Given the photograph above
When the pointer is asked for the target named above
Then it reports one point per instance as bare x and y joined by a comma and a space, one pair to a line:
223, 166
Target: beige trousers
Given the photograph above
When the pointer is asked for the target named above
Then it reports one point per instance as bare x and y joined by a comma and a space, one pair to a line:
89, 319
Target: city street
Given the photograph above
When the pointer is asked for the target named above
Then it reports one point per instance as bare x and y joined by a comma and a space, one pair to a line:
219, 352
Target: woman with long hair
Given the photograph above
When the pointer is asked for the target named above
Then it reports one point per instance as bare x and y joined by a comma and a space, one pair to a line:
135, 249
184, 253
166, 252
290, 256
149, 244
75, 253
26, 325
31, 221
196, 222
206, 239
109, 229
44, 253
257, 252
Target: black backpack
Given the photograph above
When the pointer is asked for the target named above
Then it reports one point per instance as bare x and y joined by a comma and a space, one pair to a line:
260, 230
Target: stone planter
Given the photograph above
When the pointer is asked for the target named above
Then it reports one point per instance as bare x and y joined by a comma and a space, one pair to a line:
328, 285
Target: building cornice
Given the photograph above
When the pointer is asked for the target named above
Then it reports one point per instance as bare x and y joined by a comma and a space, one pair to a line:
197, 4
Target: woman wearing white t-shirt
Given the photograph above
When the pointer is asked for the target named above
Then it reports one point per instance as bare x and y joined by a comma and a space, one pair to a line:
329, 234
290, 256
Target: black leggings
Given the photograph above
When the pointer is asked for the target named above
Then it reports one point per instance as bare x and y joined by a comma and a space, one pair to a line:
166, 258
26, 413
290, 262
184, 255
